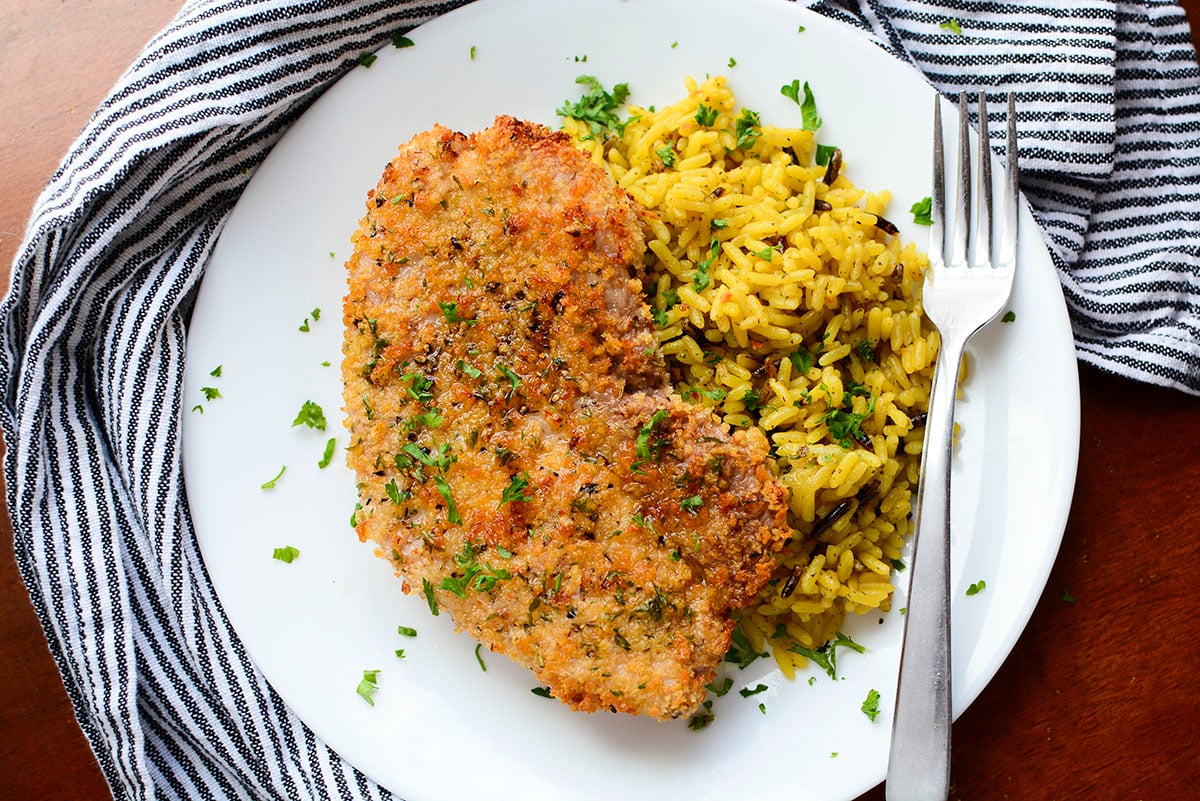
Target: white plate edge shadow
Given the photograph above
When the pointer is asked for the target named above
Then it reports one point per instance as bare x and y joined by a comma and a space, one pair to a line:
278, 609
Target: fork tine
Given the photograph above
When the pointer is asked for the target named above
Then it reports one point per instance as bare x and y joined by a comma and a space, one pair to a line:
1008, 240
962, 220
983, 223
937, 207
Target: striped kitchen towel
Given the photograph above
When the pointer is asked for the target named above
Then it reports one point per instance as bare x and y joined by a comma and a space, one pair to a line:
94, 328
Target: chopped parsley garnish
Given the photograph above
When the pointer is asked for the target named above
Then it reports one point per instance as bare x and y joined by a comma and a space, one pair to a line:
692, 503
399, 653
741, 652
395, 494
467, 369
752, 401
210, 393
542, 692
870, 707
399, 42
824, 152
406, 631
701, 280
952, 25
479, 657
706, 116
826, 655
719, 225
598, 106
746, 692
808, 106
430, 419
922, 211
450, 312
427, 591
507, 372
702, 718
443, 489
667, 154
747, 129
515, 491
354, 514
311, 415
899, 565
845, 425
977, 587
216, 372
719, 689
421, 387
866, 350
368, 686
1009, 316
366, 59
801, 359
476, 576
472, 52
327, 457
271, 484
286, 554
647, 446
316, 314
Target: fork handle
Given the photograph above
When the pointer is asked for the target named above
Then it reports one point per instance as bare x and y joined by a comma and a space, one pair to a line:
919, 762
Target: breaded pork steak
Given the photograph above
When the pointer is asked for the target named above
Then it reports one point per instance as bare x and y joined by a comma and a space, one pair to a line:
519, 455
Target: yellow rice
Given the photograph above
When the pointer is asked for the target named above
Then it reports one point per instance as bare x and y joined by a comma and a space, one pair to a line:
788, 288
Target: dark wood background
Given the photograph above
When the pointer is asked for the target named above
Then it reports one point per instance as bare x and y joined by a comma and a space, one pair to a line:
1099, 699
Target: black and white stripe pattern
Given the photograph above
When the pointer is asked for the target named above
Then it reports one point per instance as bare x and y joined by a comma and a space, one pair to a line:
94, 329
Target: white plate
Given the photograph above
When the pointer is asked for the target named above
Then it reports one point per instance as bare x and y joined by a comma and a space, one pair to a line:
441, 728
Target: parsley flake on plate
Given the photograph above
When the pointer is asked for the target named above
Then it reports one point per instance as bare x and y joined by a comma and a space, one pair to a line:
368, 686
922, 211
271, 484
870, 706
286, 554
327, 457
977, 587
311, 415
810, 120
952, 25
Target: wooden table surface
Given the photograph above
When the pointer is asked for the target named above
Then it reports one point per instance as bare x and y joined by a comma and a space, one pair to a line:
1098, 700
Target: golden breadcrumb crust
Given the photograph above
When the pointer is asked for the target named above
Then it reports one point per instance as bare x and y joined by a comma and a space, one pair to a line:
519, 455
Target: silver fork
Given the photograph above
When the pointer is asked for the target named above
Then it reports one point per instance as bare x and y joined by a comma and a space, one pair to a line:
965, 288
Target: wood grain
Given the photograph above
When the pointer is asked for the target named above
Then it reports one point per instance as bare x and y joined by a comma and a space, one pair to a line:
1097, 700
